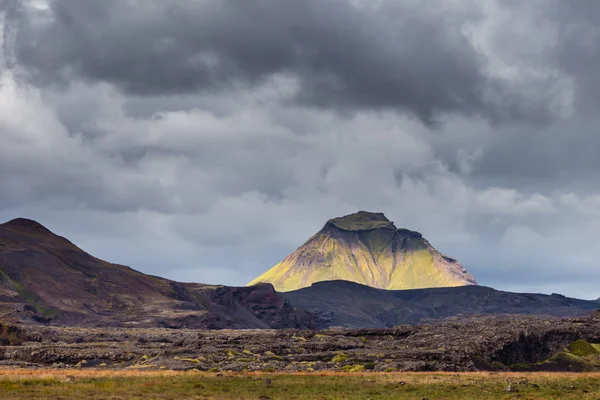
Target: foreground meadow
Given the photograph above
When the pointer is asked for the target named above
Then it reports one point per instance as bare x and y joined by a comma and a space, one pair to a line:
133, 384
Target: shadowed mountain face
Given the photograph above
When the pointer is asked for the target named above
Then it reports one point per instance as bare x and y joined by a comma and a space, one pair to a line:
44, 277
368, 249
339, 303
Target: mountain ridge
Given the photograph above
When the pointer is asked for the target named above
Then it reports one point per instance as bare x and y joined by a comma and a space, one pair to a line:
46, 278
366, 248
349, 304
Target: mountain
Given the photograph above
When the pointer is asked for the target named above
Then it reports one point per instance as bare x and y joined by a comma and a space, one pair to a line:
366, 248
46, 278
348, 304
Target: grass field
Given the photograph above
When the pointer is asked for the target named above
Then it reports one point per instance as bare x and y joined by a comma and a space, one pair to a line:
131, 384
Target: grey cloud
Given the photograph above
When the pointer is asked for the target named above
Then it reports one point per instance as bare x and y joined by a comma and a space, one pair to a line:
407, 56
161, 135
577, 51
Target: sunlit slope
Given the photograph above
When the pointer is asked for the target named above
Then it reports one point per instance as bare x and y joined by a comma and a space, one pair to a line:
366, 248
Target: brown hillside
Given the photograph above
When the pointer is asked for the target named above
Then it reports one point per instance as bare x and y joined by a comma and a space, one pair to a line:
46, 278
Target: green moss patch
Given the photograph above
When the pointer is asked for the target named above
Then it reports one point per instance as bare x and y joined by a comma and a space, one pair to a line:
338, 358
581, 348
564, 361
353, 368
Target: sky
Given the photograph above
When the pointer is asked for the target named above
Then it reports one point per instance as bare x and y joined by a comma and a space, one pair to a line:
204, 140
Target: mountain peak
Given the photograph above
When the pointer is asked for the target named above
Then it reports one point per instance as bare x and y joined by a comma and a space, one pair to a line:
366, 248
27, 225
362, 221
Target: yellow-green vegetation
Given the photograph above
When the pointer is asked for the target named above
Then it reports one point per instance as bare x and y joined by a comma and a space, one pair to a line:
34, 299
367, 249
581, 348
579, 356
353, 368
338, 358
190, 360
11, 283
233, 353
137, 385
272, 356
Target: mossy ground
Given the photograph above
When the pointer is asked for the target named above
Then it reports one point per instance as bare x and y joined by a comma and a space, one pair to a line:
129, 385
579, 356
581, 348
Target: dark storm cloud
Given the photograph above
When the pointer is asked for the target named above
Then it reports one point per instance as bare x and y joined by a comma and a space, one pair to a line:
578, 53
203, 140
409, 56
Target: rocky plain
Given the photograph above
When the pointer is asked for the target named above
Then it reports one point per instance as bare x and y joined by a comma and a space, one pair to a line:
492, 343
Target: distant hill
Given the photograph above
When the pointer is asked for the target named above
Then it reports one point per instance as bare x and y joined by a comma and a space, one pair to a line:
366, 248
46, 278
348, 304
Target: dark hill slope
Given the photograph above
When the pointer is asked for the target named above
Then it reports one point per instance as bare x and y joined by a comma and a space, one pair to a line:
44, 277
342, 303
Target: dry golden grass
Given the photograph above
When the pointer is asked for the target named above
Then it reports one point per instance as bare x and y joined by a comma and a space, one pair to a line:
97, 372
20, 384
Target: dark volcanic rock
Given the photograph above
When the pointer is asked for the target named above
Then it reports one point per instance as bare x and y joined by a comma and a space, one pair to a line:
485, 343
348, 304
258, 306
